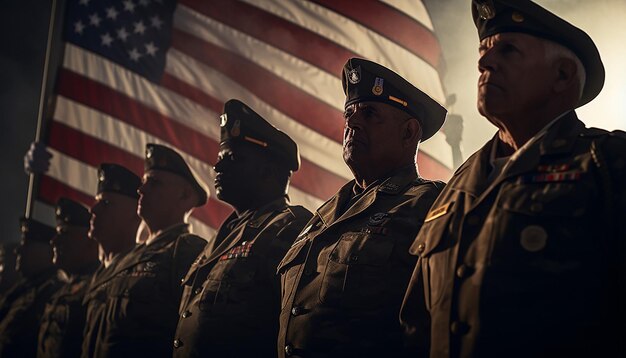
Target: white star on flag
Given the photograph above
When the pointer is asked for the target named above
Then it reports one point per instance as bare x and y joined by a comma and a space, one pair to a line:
95, 20
112, 13
129, 6
140, 28
106, 40
134, 54
122, 34
151, 49
79, 27
156, 22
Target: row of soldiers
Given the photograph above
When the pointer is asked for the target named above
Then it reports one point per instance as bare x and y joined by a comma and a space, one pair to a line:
521, 254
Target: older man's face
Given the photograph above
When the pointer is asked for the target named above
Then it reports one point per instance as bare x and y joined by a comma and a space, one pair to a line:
515, 76
372, 135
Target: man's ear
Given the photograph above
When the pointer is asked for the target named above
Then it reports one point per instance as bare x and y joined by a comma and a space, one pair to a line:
566, 76
412, 131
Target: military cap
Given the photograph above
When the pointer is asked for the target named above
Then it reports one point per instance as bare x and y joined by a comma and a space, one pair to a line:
240, 123
72, 213
117, 179
160, 157
364, 80
496, 16
33, 230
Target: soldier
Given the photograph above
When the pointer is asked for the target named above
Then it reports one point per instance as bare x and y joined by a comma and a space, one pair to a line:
114, 224
8, 275
231, 297
61, 329
144, 294
522, 254
344, 277
23, 306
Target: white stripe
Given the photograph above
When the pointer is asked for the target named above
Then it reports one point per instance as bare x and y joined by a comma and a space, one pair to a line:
44, 213
414, 9
313, 146
84, 178
314, 81
359, 39
133, 140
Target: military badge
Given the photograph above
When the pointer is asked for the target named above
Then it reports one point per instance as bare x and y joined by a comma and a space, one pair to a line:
223, 120
354, 75
377, 219
378, 86
533, 238
149, 152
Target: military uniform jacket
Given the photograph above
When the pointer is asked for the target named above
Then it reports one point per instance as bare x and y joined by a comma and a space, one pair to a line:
95, 299
144, 295
61, 329
231, 296
344, 278
531, 265
21, 313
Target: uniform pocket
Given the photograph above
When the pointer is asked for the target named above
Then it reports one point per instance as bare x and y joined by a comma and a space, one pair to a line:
355, 270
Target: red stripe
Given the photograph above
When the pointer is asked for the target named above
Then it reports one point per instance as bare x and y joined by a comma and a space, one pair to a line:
276, 31
50, 190
393, 24
314, 179
93, 151
280, 94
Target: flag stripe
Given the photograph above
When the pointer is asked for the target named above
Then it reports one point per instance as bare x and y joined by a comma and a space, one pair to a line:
358, 38
273, 30
92, 151
83, 90
393, 24
287, 98
413, 8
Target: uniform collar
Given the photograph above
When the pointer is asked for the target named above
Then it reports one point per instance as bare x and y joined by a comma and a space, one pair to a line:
392, 185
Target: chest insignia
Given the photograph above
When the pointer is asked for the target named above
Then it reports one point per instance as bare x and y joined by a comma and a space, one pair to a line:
243, 250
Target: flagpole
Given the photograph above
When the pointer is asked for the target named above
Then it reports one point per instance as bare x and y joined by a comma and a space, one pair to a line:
40, 112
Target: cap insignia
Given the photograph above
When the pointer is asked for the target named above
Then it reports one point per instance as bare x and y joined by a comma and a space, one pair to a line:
486, 11
223, 120
354, 75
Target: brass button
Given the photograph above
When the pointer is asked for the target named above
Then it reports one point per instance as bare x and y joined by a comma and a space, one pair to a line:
186, 314
178, 343
463, 271
289, 350
198, 290
297, 310
459, 327
421, 248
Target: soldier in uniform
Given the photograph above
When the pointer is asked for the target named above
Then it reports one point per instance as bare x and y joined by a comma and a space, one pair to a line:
231, 297
114, 224
23, 306
144, 294
344, 278
522, 254
61, 329
8, 275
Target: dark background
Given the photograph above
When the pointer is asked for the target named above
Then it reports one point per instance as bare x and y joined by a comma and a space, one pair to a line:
23, 32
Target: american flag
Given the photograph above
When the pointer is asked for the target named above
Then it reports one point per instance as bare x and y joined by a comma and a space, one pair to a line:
139, 71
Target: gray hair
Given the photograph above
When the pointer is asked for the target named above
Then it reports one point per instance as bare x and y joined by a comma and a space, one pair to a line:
554, 51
